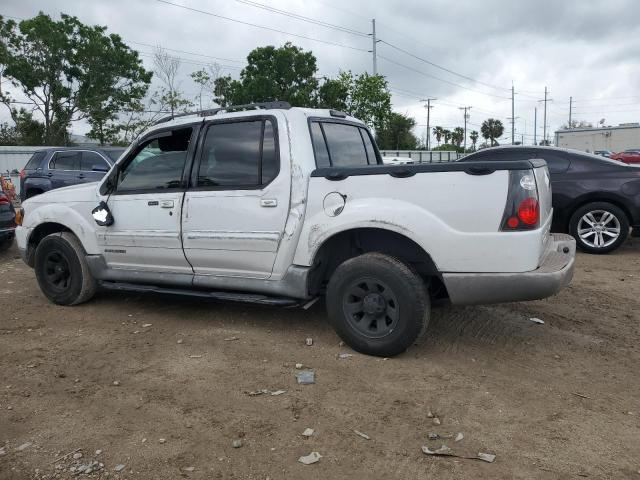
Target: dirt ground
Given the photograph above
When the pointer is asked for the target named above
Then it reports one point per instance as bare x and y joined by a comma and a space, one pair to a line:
558, 400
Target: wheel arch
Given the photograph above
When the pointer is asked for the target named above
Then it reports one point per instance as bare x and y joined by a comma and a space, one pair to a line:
594, 197
352, 242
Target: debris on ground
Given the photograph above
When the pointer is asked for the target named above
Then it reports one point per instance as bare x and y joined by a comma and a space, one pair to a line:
231, 339
236, 443
188, 469
306, 377
459, 437
299, 366
147, 325
313, 457
77, 456
195, 356
116, 383
24, 446
430, 414
580, 395
162, 440
179, 341
309, 341
119, 467
445, 451
345, 355
536, 320
264, 391
436, 421
307, 432
363, 435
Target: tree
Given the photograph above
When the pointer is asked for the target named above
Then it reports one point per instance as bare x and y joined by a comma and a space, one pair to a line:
492, 129
286, 73
576, 124
166, 68
68, 71
457, 136
446, 134
397, 133
206, 80
439, 133
474, 138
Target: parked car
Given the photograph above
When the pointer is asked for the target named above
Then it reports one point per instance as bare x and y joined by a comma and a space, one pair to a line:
603, 153
628, 156
279, 205
53, 168
7, 221
594, 199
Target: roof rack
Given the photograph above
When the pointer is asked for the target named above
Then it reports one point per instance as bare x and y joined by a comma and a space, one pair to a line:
213, 111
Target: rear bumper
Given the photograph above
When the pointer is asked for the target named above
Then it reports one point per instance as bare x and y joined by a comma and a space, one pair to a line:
554, 273
6, 233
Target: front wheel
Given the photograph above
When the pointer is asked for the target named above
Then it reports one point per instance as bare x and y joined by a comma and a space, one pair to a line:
599, 227
62, 271
377, 304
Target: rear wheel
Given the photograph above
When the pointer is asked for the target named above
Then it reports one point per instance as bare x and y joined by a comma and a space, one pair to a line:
62, 271
599, 227
377, 304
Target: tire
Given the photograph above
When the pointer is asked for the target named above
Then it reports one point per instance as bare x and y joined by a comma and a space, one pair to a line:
377, 304
599, 227
62, 271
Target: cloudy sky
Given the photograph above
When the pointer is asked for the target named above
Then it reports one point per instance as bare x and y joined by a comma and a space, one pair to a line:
464, 53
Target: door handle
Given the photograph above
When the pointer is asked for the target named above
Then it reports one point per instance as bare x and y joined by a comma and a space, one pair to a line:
166, 204
81, 175
269, 202
152, 203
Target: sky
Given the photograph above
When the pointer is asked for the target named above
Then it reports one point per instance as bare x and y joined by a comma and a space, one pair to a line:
463, 53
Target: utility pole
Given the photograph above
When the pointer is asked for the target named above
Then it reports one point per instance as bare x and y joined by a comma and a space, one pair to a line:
535, 125
466, 117
513, 116
373, 50
544, 125
570, 109
428, 107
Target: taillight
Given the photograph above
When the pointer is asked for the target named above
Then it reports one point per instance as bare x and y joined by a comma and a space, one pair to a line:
22, 174
522, 210
4, 200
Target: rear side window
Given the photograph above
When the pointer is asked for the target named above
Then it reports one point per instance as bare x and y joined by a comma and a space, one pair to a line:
65, 161
341, 145
238, 154
34, 161
557, 162
89, 160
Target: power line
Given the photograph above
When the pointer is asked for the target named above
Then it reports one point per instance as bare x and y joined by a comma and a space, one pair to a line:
190, 61
187, 52
438, 78
440, 66
242, 22
303, 18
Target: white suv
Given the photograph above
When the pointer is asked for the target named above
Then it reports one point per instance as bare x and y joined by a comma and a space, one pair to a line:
271, 204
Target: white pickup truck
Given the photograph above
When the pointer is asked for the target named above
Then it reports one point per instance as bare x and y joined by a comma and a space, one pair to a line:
277, 205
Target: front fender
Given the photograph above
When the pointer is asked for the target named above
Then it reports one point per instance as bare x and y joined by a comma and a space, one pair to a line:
75, 217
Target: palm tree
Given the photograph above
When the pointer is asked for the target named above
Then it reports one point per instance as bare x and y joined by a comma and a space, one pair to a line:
492, 129
447, 135
437, 131
458, 136
474, 138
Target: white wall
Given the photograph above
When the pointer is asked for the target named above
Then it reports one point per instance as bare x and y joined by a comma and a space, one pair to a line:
615, 139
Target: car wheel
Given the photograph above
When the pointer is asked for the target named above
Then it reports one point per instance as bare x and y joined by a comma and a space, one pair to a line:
62, 271
599, 227
377, 304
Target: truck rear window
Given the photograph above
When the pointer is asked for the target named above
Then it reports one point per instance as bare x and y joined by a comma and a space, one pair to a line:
341, 145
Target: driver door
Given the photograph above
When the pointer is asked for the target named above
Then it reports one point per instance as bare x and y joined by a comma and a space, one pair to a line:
147, 205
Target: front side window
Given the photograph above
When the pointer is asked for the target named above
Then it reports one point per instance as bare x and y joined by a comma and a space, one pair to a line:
238, 154
91, 161
65, 161
158, 165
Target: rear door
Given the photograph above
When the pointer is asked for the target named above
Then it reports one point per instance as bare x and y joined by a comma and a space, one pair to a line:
64, 168
236, 208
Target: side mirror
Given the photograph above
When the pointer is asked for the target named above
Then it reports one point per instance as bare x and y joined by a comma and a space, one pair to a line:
102, 215
99, 167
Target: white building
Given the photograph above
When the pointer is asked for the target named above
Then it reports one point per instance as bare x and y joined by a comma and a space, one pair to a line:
616, 139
